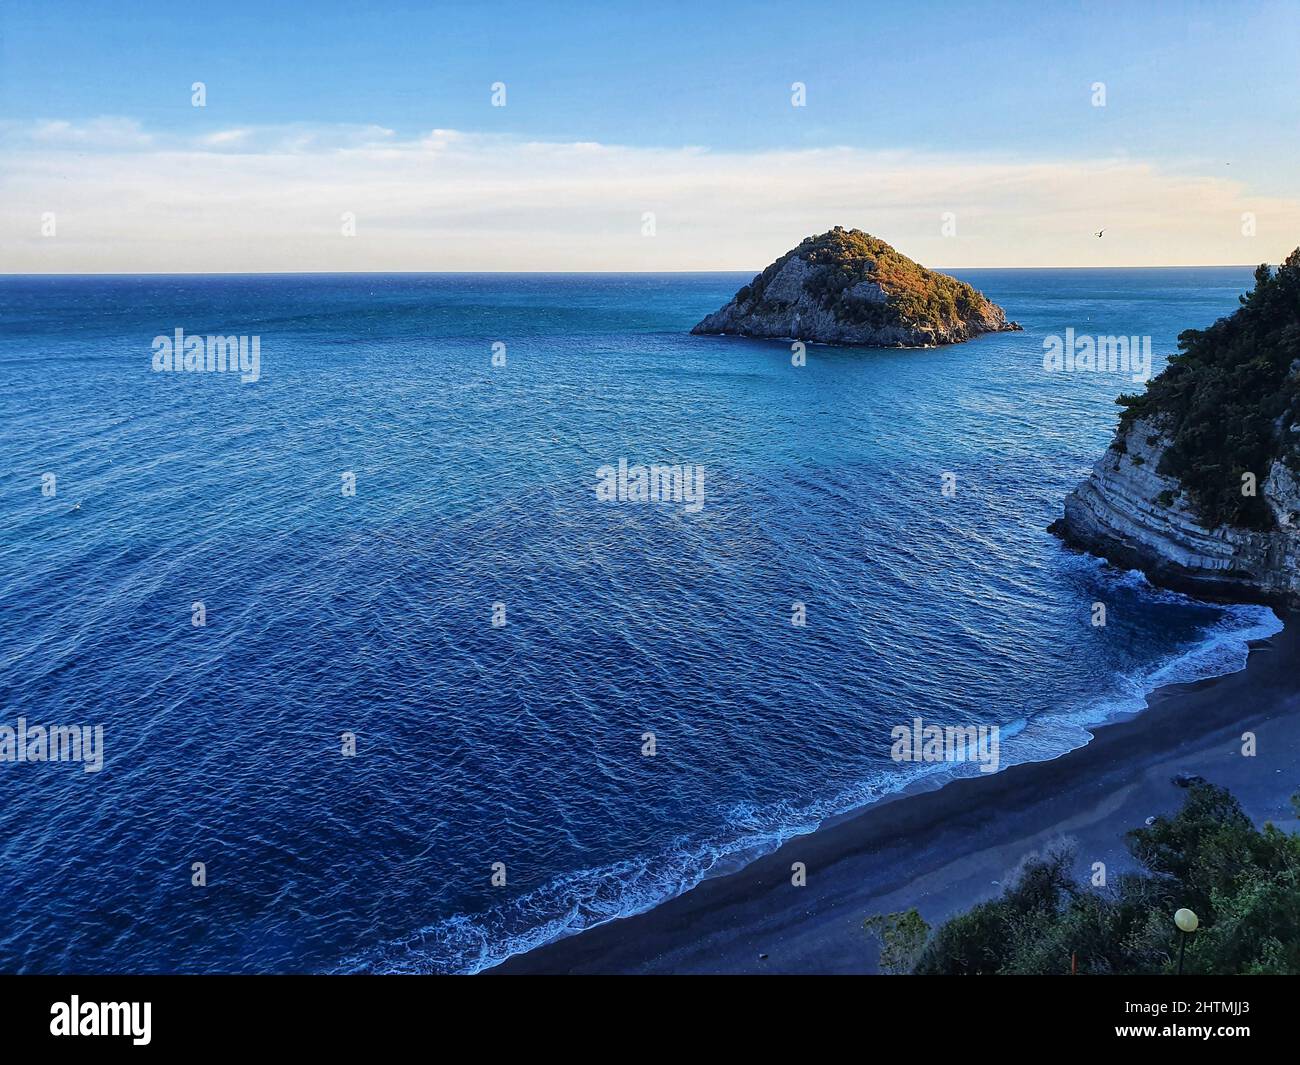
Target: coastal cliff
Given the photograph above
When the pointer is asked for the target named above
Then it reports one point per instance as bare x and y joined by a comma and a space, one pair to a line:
846, 287
1199, 489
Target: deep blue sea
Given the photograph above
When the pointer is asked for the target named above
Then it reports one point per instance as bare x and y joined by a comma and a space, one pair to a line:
521, 743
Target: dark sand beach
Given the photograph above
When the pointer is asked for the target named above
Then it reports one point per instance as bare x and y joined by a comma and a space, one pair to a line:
944, 848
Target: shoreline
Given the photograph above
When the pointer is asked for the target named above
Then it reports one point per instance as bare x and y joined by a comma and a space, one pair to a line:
943, 847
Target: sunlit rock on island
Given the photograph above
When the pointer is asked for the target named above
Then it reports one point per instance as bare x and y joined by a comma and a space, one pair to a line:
847, 287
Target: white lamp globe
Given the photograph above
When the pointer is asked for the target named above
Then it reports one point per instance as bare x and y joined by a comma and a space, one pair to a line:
1186, 920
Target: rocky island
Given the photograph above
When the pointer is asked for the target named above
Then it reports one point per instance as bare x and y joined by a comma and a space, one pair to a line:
1200, 488
847, 287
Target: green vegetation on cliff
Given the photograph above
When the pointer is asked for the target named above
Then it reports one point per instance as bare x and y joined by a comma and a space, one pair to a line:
1242, 883
1227, 399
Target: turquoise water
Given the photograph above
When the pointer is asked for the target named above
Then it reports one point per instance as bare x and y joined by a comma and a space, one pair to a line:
522, 744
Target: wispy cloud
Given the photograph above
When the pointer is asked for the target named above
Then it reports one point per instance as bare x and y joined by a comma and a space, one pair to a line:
102, 133
273, 198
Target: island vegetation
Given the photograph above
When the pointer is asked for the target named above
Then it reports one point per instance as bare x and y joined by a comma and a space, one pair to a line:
850, 257
845, 286
1228, 402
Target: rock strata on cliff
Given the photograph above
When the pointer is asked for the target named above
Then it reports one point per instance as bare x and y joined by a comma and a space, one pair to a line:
847, 287
1199, 489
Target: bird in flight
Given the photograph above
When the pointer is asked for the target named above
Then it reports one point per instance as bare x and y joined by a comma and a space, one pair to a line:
1099, 232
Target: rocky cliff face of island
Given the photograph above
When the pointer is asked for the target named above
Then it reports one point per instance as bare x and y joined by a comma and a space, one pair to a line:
1199, 489
847, 287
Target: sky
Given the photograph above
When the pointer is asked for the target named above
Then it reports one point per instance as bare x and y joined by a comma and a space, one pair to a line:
347, 136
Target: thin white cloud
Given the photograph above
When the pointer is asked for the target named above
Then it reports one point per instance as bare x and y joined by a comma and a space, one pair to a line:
102, 133
273, 198
225, 137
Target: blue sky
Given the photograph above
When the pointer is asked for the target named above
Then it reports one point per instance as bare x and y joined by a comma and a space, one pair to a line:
1196, 90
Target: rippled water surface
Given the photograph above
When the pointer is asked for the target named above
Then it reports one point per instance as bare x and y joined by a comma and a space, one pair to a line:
475, 485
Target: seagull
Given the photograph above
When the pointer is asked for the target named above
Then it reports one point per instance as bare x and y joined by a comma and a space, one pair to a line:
1099, 232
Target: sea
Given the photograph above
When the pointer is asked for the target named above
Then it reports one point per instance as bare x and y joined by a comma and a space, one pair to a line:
386, 683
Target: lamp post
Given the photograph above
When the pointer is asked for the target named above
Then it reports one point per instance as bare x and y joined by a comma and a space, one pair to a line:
1186, 922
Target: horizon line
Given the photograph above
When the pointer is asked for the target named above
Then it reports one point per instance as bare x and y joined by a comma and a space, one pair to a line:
569, 273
